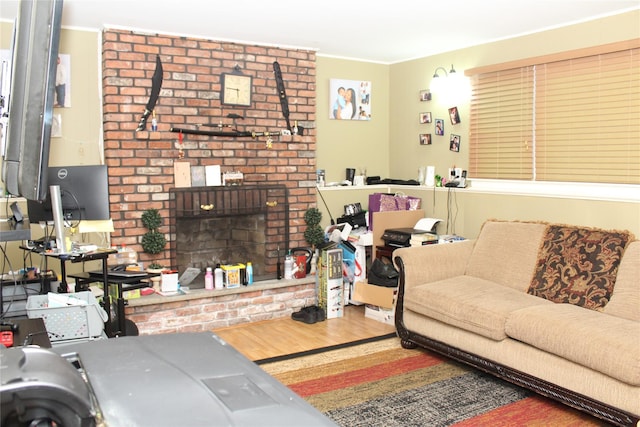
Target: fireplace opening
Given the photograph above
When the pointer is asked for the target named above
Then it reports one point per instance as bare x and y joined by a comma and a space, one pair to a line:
230, 225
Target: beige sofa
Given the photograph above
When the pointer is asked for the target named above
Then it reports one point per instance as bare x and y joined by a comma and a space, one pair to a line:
549, 307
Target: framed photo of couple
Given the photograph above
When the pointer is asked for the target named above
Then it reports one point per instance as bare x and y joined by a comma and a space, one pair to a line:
349, 99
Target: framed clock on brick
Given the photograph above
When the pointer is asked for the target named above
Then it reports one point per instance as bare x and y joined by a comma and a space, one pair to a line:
236, 89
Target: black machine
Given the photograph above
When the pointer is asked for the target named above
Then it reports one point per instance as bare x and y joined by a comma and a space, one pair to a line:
401, 237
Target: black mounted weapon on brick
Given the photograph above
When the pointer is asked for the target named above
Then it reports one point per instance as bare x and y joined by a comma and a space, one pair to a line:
281, 93
230, 134
156, 85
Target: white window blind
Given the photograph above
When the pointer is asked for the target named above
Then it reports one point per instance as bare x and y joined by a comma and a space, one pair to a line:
501, 125
575, 119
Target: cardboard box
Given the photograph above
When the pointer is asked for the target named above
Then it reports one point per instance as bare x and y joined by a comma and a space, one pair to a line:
330, 284
233, 275
126, 294
169, 282
380, 314
380, 296
182, 174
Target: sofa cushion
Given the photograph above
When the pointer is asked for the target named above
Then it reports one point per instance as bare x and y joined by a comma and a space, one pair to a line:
506, 252
476, 305
607, 344
578, 265
625, 301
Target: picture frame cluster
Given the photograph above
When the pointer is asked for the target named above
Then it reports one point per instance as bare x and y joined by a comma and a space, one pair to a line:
426, 118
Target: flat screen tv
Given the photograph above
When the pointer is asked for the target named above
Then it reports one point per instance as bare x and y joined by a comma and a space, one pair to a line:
31, 96
84, 193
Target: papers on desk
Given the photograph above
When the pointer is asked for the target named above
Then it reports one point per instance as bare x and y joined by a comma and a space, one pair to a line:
427, 224
63, 300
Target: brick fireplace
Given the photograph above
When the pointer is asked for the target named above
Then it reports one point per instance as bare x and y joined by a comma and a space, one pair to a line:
141, 164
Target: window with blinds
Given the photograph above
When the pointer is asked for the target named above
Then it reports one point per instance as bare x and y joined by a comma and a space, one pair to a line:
570, 119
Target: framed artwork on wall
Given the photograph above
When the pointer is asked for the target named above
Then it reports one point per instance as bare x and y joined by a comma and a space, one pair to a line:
56, 126
63, 82
425, 95
349, 99
454, 143
425, 139
425, 118
440, 127
454, 115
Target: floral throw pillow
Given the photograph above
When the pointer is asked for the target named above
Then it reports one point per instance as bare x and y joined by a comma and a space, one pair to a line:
578, 265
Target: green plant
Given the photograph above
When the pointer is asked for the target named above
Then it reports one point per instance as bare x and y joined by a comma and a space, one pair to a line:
314, 235
151, 219
153, 242
155, 266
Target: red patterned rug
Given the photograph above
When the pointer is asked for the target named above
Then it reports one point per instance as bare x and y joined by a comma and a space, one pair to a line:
381, 384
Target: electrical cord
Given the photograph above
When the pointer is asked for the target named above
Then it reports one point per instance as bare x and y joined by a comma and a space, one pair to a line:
452, 214
325, 205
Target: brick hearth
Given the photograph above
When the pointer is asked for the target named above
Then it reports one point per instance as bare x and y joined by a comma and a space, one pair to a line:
203, 310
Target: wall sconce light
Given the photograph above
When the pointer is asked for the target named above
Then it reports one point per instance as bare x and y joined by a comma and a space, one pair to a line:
437, 83
435, 73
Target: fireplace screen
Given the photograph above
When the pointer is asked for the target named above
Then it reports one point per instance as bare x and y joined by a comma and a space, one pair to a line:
230, 225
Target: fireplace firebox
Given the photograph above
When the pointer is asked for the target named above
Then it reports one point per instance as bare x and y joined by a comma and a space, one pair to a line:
230, 225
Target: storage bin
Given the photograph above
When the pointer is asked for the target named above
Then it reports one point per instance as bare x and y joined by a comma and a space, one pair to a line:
85, 320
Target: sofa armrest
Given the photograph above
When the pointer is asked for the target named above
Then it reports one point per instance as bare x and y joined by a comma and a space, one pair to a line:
424, 264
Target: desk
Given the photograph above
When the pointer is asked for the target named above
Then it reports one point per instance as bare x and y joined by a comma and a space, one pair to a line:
121, 326
98, 254
11, 231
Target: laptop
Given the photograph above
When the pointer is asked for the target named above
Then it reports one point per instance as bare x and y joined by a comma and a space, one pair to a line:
97, 274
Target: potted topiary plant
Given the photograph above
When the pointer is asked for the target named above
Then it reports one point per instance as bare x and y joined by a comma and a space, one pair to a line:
153, 242
314, 234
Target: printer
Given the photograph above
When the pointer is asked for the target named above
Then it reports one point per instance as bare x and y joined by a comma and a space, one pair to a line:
402, 237
423, 233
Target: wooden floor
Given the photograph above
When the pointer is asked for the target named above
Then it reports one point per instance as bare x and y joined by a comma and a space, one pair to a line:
260, 340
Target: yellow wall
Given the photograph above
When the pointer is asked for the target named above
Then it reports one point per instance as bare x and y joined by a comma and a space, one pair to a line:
81, 141
469, 209
354, 143
407, 78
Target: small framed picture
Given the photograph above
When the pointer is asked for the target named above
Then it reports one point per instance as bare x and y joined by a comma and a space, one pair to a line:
454, 143
425, 139
425, 118
440, 127
425, 95
454, 115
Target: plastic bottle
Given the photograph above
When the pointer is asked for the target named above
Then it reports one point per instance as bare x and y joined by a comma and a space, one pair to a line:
218, 277
288, 266
126, 256
314, 262
208, 279
249, 273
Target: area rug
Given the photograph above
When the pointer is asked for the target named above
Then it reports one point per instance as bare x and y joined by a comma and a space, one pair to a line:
379, 383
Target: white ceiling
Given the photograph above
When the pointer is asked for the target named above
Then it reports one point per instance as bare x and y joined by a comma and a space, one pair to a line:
385, 32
